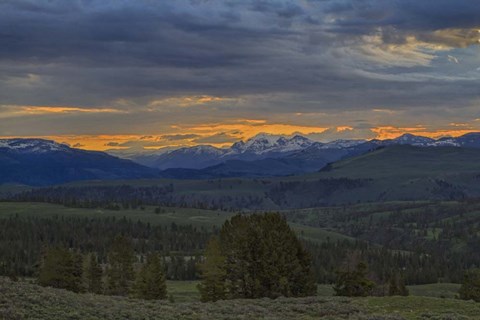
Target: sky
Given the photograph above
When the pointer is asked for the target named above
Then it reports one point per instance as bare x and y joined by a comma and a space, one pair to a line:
144, 74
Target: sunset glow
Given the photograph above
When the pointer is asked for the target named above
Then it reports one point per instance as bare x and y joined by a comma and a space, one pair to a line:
183, 73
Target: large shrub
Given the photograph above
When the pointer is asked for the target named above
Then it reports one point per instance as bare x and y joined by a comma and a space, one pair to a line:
470, 289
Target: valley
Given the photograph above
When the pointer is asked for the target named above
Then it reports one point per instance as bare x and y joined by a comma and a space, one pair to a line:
402, 208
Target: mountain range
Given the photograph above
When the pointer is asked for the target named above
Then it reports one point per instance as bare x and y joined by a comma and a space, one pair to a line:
268, 155
44, 162
393, 173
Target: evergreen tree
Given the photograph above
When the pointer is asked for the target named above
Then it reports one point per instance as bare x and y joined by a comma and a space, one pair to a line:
470, 289
402, 288
58, 270
77, 258
150, 282
120, 273
262, 257
213, 273
93, 275
354, 283
396, 286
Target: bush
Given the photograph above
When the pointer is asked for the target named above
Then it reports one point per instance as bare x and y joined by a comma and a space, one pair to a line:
470, 289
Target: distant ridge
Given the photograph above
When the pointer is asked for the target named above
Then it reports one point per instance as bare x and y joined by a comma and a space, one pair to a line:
44, 162
264, 146
391, 173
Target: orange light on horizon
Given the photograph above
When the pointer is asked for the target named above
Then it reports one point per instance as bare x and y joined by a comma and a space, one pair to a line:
237, 130
390, 132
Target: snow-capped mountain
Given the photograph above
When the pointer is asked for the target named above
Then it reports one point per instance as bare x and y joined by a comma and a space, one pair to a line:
193, 158
32, 146
261, 146
45, 162
469, 140
413, 140
264, 143
264, 146
340, 144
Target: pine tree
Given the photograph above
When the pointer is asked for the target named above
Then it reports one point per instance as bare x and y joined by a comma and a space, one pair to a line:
58, 270
257, 256
354, 283
120, 273
402, 288
77, 258
393, 286
213, 273
470, 289
93, 275
150, 282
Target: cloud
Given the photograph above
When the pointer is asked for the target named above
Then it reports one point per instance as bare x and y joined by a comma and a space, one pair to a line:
141, 67
176, 137
219, 138
112, 144
188, 101
10, 111
390, 132
48, 110
452, 59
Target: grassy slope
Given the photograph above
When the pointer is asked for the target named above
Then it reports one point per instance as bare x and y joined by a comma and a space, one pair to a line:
438, 290
183, 291
197, 217
407, 162
186, 291
22, 300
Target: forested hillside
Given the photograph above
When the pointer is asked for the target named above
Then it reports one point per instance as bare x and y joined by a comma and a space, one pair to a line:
431, 241
392, 173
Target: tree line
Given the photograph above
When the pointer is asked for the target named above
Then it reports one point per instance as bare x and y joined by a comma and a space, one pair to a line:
66, 269
24, 239
252, 256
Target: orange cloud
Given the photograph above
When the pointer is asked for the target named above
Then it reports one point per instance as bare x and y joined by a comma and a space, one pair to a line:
188, 101
244, 129
48, 109
19, 111
387, 111
344, 128
390, 132
238, 129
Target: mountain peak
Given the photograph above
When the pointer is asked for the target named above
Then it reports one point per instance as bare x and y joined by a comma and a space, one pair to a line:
265, 143
409, 138
28, 145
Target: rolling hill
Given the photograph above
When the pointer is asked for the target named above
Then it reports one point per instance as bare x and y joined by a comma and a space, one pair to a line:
407, 161
399, 172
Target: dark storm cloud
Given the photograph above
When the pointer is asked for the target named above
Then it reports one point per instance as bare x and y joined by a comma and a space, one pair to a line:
405, 14
176, 137
276, 56
112, 144
78, 145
